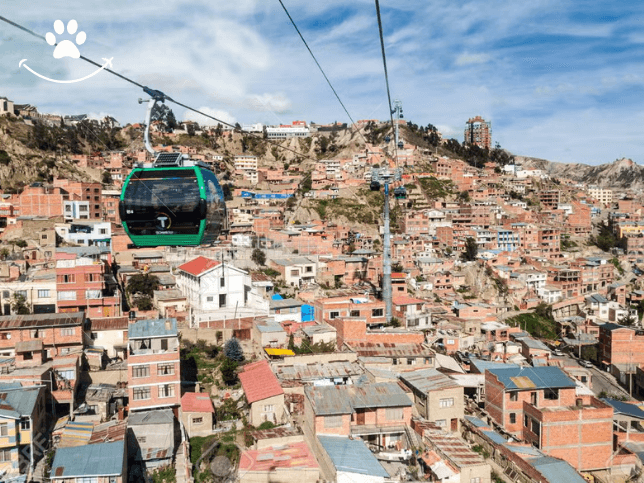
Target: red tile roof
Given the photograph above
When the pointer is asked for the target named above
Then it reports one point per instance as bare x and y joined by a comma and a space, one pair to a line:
403, 300
196, 402
259, 382
199, 265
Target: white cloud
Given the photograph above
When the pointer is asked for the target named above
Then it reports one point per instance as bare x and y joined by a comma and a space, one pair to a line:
465, 59
206, 121
278, 103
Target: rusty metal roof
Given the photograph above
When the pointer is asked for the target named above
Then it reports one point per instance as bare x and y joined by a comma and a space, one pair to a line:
427, 380
317, 370
454, 448
389, 349
329, 400
108, 432
41, 320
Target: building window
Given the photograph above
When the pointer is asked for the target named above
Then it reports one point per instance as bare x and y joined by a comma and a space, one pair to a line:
142, 439
309, 269
167, 390
141, 393
68, 375
37, 333
269, 408
447, 402
354, 313
103, 231
165, 369
332, 422
334, 315
141, 371
525, 420
394, 414
222, 282
441, 423
43, 294
552, 394
25, 424
222, 300
5, 294
514, 395
513, 418
197, 420
5, 455
68, 331
4, 429
377, 312
475, 480
210, 299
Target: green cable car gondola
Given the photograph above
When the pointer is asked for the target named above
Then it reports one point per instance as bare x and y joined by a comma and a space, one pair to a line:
175, 201
400, 193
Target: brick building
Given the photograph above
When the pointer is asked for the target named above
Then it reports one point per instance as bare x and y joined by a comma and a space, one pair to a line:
479, 132
91, 193
621, 350
263, 393
153, 367
81, 283
541, 406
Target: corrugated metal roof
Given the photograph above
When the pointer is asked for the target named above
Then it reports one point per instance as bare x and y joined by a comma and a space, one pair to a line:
495, 437
158, 416
352, 456
329, 400
103, 459
317, 370
41, 320
389, 349
625, 408
556, 470
538, 377
427, 380
153, 328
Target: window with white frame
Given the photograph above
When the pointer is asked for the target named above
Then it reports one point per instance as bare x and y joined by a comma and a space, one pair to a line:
334, 315
4, 429
269, 408
210, 298
43, 294
447, 402
5, 454
67, 295
394, 414
141, 371
165, 369
441, 423
197, 420
68, 331
167, 390
332, 422
68, 375
377, 313
139, 393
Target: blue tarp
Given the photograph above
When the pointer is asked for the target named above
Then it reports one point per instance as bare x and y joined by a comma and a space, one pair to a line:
277, 297
308, 313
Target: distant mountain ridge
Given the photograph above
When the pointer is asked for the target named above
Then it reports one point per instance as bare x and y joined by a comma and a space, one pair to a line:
622, 173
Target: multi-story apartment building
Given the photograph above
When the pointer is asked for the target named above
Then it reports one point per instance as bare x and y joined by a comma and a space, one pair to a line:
81, 284
247, 167
478, 132
91, 193
372, 312
550, 198
540, 405
602, 195
506, 239
153, 366
87, 233
37, 288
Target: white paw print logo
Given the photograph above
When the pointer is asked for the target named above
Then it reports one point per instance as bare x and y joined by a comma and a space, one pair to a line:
66, 48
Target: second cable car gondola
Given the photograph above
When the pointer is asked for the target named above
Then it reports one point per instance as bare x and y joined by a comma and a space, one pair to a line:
374, 186
175, 201
400, 193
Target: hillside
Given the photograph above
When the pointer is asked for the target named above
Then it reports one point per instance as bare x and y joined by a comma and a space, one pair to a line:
622, 173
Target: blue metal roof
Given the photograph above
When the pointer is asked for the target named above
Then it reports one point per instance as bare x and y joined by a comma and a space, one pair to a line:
482, 365
555, 470
625, 408
22, 400
153, 328
103, 459
479, 423
495, 437
276, 297
533, 378
352, 456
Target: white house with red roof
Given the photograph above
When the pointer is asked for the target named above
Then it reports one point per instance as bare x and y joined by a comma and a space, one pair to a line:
197, 413
263, 392
219, 289
411, 312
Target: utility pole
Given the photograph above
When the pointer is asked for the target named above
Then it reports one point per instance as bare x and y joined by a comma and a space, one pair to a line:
386, 255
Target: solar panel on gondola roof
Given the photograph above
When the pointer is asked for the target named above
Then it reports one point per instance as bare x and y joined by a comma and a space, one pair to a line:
168, 159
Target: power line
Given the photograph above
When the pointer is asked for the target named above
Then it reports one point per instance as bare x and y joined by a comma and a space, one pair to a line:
320, 67
384, 63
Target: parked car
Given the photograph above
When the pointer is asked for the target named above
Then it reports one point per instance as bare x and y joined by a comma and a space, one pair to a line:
585, 363
557, 352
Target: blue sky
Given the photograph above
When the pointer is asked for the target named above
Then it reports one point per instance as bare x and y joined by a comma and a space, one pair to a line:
559, 80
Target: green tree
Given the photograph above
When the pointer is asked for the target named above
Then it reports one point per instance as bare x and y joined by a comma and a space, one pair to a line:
19, 304
228, 370
258, 256
471, 249
106, 177
145, 284
144, 303
291, 342
233, 350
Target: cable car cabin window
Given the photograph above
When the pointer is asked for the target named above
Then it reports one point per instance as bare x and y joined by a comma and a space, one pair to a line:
163, 201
